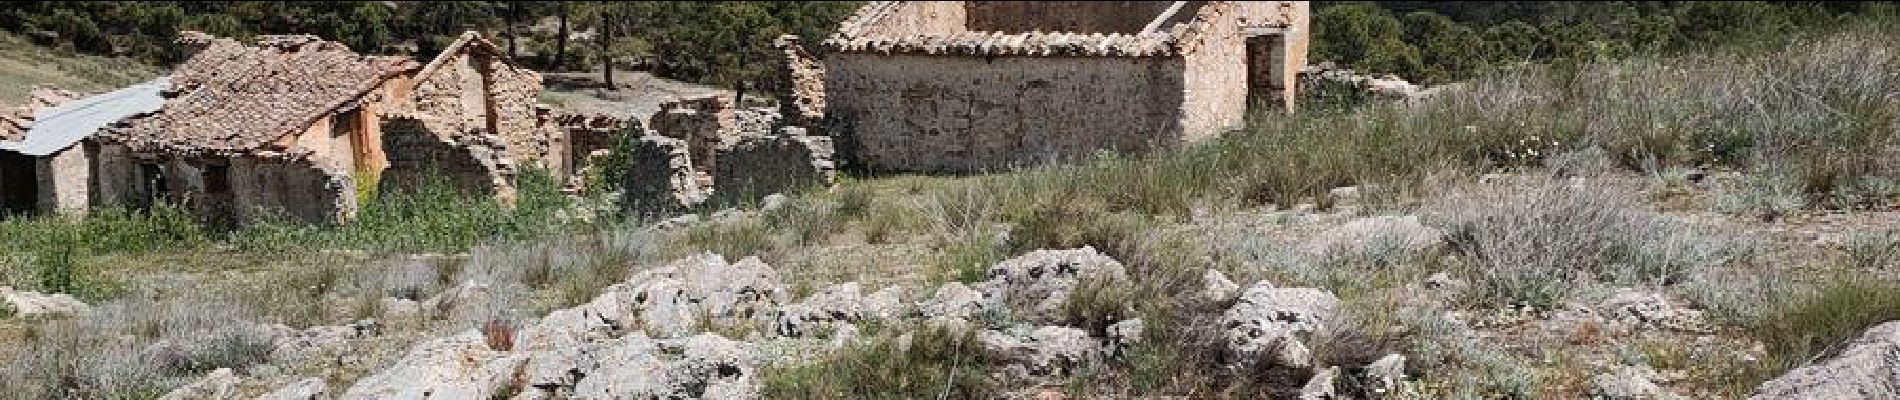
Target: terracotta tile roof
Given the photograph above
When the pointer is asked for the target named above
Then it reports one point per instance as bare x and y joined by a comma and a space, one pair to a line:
231, 97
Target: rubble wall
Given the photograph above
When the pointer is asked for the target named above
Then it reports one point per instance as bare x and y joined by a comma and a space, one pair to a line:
659, 179
757, 166
705, 123
420, 149
925, 113
471, 92
1064, 16
269, 189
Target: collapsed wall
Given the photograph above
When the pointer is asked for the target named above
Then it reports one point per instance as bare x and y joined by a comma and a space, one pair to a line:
782, 162
659, 178
425, 150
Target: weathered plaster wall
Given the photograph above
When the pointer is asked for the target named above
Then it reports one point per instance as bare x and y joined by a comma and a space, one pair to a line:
1215, 53
115, 176
943, 114
64, 181
1063, 16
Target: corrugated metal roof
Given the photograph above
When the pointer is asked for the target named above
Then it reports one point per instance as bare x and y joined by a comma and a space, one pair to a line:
57, 128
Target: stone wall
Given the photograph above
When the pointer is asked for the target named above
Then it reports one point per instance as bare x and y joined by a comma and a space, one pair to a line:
1063, 16
1215, 54
757, 166
704, 123
659, 180
65, 181
472, 91
421, 149
293, 189
802, 99
918, 112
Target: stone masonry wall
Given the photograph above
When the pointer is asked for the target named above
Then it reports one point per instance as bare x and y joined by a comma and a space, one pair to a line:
64, 181
659, 181
461, 92
1063, 16
705, 123
265, 188
802, 100
1216, 75
419, 150
757, 166
918, 112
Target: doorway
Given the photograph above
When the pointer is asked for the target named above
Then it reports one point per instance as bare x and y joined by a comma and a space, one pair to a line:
19, 184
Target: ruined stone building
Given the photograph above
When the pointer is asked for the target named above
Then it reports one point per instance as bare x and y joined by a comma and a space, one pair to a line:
295, 126
45, 151
953, 86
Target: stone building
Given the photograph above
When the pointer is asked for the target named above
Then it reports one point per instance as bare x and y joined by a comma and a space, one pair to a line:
952, 86
295, 126
45, 153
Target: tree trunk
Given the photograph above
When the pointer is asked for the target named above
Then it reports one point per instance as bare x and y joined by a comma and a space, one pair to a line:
560, 43
514, 18
606, 57
738, 94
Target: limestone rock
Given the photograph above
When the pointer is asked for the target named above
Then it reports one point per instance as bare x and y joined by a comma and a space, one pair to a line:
773, 202
455, 367
952, 300
399, 309
1047, 351
838, 304
628, 368
1403, 233
886, 303
1261, 325
306, 389
1126, 333
672, 301
1035, 285
218, 385
35, 304
1383, 376
1321, 386
1443, 281
1216, 288
1867, 368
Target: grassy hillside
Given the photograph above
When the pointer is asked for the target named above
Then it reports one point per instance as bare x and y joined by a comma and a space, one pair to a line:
24, 65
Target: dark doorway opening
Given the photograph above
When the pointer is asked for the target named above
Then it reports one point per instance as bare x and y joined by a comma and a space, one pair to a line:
19, 184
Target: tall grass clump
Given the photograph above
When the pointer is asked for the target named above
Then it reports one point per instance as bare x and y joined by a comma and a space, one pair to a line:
1817, 324
433, 216
1531, 244
934, 362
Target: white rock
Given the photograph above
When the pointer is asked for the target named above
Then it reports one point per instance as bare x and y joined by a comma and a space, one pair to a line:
35, 304
1046, 351
307, 389
1867, 368
1344, 196
1034, 286
952, 300
1127, 332
1383, 376
400, 309
1261, 325
837, 304
628, 368
887, 303
455, 367
1642, 308
217, 385
1216, 288
1443, 281
1321, 386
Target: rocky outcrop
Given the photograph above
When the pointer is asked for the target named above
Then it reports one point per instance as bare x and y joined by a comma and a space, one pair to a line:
1034, 286
1867, 368
1628, 382
1261, 326
456, 367
35, 304
1043, 352
306, 389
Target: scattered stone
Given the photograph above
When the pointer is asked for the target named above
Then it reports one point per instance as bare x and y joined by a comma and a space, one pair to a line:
1035, 285
1321, 386
1867, 368
886, 303
1403, 233
1126, 333
307, 389
952, 300
1640, 308
1216, 288
399, 309
1344, 196
681, 221
1443, 281
463, 299
35, 304
1628, 383
218, 385
1383, 376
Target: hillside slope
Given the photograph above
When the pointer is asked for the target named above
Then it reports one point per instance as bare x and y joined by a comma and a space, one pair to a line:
24, 65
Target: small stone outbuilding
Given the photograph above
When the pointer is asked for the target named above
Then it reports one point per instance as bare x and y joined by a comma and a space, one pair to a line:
954, 86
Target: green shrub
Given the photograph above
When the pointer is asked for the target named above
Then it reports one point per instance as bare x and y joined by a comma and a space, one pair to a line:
929, 363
